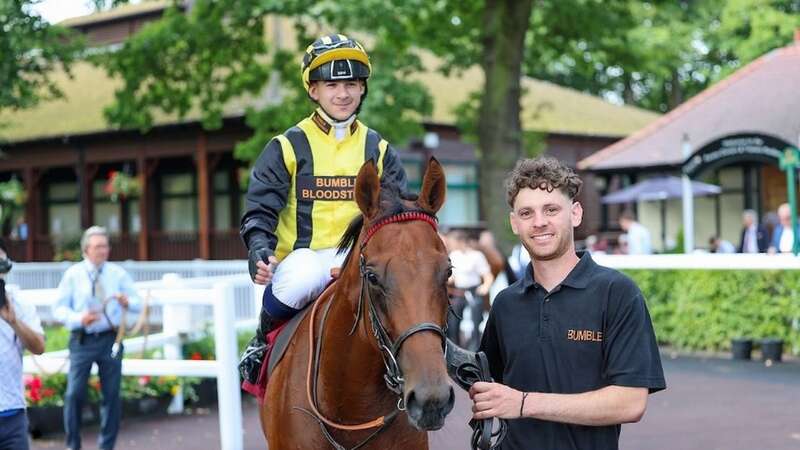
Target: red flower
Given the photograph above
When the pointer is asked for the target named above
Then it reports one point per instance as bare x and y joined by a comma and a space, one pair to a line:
35, 383
144, 380
33, 394
196, 356
48, 392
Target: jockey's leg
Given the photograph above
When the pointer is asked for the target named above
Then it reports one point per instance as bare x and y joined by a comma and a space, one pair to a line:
298, 280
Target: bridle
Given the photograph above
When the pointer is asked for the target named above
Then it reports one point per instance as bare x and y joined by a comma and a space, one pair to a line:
389, 349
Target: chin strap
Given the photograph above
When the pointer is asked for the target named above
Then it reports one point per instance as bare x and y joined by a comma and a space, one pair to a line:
466, 368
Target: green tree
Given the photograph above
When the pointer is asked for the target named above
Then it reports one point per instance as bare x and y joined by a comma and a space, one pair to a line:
654, 54
31, 49
215, 55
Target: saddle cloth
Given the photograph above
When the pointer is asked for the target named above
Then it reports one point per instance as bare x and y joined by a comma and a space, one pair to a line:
278, 340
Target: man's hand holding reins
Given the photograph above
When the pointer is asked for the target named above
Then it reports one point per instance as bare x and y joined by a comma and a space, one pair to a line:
122, 299
495, 400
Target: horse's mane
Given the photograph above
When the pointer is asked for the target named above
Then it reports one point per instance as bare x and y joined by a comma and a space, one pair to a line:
391, 201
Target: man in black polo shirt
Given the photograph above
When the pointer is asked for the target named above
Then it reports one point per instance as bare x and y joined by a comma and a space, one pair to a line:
570, 346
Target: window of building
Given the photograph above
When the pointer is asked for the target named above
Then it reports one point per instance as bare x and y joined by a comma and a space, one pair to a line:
178, 202
222, 201
114, 216
461, 206
63, 209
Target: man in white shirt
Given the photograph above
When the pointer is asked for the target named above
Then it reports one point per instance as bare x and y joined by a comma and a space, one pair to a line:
472, 278
20, 329
783, 236
639, 242
92, 296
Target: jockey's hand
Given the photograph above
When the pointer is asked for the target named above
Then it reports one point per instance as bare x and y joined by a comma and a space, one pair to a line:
264, 270
260, 258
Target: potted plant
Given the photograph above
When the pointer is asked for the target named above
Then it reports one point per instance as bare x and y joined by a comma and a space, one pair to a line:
120, 186
12, 201
44, 395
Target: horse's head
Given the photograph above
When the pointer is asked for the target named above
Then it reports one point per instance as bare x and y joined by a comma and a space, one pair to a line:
405, 268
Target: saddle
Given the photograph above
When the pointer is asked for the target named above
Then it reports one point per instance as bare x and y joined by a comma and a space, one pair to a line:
278, 340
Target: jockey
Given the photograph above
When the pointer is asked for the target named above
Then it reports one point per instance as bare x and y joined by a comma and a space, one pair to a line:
301, 194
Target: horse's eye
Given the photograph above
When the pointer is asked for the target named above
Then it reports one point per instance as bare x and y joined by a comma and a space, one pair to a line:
449, 272
373, 279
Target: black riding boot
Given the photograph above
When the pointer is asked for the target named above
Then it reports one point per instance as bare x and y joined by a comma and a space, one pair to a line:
253, 355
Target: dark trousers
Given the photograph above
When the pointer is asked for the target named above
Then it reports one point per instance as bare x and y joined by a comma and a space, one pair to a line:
14, 432
83, 351
458, 304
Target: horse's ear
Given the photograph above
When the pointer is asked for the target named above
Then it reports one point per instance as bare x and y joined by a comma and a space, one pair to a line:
368, 189
434, 187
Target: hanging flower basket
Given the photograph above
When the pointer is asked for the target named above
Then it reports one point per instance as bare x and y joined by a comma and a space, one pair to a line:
12, 192
120, 185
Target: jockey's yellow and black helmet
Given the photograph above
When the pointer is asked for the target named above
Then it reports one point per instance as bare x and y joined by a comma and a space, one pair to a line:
335, 57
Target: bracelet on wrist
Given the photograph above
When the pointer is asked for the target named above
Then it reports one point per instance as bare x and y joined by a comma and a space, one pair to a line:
522, 404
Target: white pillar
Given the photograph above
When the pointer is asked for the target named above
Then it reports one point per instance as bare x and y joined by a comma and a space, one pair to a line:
228, 389
688, 202
174, 323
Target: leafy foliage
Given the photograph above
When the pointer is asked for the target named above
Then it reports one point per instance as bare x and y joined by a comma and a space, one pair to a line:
31, 50
654, 54
198, 60
705, 309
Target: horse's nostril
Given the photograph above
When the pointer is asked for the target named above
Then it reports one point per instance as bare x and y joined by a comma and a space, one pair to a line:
411, 401
451, 401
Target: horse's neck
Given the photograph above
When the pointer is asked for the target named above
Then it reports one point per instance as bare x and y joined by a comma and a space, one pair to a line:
351, 369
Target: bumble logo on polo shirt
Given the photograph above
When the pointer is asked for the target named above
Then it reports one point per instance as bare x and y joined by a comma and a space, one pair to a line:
330, 188
585, 335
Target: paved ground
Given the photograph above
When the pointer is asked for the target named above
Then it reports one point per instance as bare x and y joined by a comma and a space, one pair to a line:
710, 404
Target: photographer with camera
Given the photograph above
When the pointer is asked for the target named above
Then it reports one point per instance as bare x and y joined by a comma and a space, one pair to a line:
20, 329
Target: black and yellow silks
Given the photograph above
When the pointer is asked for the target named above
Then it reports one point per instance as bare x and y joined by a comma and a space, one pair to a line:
300, 193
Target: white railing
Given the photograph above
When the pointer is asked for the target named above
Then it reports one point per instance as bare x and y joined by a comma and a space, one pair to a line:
734, 261
180, 300
47, 275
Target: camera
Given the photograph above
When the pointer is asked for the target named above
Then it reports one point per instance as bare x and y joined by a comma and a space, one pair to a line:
3, 299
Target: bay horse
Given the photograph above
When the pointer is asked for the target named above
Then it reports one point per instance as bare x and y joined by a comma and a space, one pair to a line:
366, 368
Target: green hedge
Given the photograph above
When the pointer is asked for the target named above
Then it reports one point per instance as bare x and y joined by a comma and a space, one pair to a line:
704, 309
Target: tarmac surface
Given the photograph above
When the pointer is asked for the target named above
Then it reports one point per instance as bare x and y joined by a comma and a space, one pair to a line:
710, 403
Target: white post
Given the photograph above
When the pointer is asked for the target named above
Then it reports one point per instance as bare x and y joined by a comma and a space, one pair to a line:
228, 389
688, 202
173, 324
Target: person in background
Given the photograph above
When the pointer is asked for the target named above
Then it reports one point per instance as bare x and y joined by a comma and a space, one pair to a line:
622, 245
472, 278
755, 238
719, 245
783, 236
92, 297
639, 242
20, 330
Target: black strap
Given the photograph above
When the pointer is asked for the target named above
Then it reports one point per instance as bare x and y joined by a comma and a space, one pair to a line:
467, 368
305, 168
371, 147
